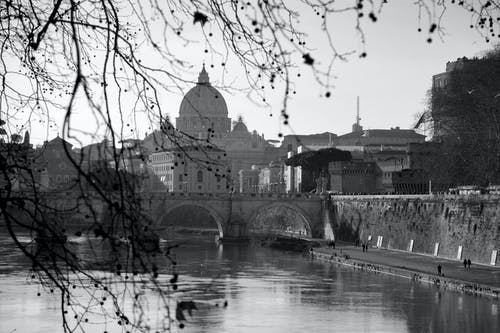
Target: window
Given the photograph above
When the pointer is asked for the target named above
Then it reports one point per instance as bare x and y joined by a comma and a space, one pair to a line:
180, 187
199, 187
180, 177
199, 176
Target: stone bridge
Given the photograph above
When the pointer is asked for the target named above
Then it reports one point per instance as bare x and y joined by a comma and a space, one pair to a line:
236, 215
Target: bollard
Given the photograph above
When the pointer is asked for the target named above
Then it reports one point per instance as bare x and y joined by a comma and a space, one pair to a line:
436, 249
459, 252
410, 247
493, 259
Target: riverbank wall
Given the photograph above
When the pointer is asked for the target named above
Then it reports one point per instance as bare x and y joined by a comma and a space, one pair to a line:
449, 226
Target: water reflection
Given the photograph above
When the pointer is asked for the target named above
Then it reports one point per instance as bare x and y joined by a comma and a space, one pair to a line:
268, 291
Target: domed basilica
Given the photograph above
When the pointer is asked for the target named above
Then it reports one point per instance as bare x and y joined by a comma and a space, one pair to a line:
203, 112
203, 117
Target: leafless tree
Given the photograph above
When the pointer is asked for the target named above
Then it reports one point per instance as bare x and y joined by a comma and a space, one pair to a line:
114, 59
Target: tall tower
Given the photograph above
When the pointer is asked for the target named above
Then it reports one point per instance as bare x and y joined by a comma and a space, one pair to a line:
356, 127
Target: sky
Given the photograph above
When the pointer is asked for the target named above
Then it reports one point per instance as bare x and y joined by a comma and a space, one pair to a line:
392, 81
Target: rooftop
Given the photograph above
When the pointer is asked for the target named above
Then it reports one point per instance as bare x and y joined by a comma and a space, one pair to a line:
383, 133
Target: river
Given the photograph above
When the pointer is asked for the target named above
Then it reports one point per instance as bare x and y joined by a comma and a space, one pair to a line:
267, 290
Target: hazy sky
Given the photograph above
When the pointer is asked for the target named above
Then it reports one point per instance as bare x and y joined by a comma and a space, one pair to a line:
392, 81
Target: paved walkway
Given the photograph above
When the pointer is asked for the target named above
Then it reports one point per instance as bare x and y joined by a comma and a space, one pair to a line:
478, 273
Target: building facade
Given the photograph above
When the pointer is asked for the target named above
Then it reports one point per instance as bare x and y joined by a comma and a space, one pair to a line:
353, 177
309, 141
54, 160
378, 139
187, 169
271, 178
248, 180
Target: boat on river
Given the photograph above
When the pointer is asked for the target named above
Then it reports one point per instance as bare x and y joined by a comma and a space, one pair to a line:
289, 243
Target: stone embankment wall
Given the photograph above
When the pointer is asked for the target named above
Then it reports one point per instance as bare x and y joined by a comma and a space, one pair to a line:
472, 222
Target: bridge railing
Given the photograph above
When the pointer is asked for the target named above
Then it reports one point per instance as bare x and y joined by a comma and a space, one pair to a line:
195, 195
180, 195
436, 196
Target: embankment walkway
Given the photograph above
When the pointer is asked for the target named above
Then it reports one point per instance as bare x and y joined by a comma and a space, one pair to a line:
479, 279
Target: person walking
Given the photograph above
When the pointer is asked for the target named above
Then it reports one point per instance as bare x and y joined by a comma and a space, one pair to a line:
465, 263
439, 269
468, 263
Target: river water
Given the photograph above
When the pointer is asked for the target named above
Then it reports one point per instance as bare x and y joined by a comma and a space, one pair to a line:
268, 290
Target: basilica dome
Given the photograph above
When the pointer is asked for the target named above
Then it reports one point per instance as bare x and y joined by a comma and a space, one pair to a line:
240, 126
203, 100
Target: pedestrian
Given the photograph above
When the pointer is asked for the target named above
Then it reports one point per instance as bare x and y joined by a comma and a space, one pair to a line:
469, 262
311, 253
439, 269
366, 247
363, 246
465, 263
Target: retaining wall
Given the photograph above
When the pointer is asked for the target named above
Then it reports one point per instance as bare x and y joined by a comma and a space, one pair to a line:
452, 221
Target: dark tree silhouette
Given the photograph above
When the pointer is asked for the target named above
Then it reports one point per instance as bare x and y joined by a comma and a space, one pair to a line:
465, 116
315, 164
113, 60
318, 159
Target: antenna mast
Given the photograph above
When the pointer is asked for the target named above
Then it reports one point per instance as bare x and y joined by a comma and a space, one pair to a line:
357, 112
356, 127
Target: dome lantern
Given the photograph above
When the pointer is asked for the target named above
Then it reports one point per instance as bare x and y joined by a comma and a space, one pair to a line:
203, 76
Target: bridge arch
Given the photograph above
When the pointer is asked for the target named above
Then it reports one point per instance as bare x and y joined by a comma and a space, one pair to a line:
213, 213
303, 222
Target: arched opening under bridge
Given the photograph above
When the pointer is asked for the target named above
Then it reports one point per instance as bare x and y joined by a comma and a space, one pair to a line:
280, 219
190, 219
